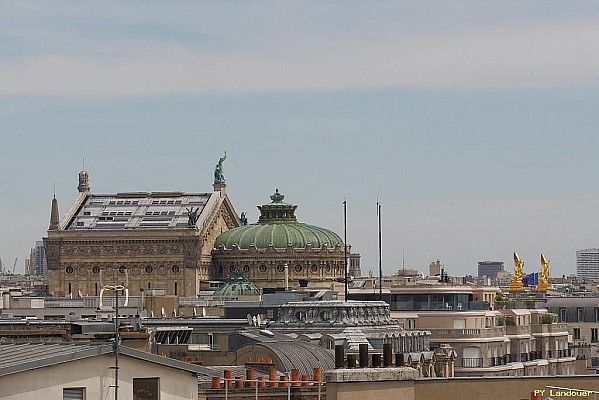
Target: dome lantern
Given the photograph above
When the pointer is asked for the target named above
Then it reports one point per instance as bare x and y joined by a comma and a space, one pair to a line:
277, 210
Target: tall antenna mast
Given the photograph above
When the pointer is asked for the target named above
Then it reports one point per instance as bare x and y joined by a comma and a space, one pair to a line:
345, 243
378, 211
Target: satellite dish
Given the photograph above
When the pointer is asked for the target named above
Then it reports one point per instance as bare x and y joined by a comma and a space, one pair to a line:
249, 317
258, 320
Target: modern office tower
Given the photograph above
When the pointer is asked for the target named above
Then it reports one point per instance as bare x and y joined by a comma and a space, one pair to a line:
37, 260
587, 264
489, 268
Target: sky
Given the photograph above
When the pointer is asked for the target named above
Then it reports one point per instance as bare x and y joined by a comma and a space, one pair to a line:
474, 123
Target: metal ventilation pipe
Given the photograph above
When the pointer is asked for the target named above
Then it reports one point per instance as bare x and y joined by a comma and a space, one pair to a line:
286, 277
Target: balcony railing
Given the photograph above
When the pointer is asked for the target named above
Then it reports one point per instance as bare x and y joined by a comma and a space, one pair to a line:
472, 362
467, 333
203, 347
496, 361
564, 353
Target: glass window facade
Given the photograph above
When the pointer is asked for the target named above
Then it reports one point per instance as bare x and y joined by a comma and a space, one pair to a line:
421, 302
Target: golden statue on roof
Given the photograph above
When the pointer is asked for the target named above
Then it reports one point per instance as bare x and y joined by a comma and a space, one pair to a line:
516, 283
543, 275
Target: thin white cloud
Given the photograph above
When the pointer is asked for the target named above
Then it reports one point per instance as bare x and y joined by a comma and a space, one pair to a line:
532, 56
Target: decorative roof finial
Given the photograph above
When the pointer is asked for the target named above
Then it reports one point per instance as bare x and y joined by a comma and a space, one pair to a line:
277, 197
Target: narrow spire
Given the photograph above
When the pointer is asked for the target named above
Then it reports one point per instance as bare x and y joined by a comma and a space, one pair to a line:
54, 219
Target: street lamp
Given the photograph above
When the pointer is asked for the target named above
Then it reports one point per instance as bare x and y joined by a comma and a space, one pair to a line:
116, 289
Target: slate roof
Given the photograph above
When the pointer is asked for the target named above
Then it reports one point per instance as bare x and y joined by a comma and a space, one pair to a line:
19, 357
566, 302
138, 210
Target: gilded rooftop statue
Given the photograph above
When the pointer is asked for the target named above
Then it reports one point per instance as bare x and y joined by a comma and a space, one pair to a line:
543, 275
516, 283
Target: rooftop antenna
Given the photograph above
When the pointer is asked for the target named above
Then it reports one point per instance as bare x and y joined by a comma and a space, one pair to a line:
83, 163
345, 243
403, 259
54, 188
378, 211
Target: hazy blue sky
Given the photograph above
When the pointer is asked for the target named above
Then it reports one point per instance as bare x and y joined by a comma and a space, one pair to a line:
474, 122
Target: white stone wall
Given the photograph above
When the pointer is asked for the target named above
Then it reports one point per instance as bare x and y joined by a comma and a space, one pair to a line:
96, 377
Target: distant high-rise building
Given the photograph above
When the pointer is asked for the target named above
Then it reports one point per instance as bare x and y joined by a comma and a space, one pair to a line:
489, 268
37, 260
28, 267
587, 264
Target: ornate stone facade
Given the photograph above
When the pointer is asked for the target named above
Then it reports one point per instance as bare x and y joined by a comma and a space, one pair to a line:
142, 238
321, 315
266, 267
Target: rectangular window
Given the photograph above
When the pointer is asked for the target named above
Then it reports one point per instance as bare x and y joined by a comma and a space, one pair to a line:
580, 314
73, 394
562, 315
175, 288
146, 389
576, 333
594, 335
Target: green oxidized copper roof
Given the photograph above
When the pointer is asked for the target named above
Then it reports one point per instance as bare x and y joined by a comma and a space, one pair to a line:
238, 284
278, 226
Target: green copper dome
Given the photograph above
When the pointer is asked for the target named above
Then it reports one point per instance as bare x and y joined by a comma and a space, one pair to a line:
238, 284
278, 226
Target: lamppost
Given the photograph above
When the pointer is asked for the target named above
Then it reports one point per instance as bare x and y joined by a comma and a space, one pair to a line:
116, 289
